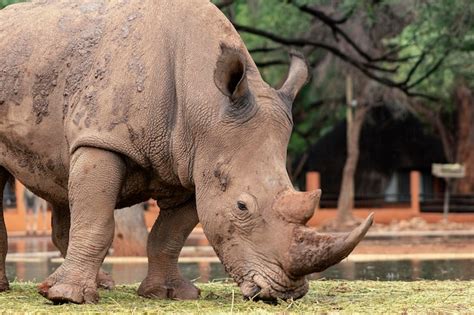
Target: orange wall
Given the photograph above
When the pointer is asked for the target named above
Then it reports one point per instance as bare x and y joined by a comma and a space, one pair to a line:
16, 218
387, 215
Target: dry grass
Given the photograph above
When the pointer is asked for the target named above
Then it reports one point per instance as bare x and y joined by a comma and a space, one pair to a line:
367, 297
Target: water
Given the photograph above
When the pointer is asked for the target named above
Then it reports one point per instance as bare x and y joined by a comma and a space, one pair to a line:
401, 270
33, 259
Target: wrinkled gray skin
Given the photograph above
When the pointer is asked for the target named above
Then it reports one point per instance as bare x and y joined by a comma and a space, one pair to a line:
106, 104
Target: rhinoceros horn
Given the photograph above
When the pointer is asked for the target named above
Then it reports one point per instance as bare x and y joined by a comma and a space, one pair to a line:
297, 207
309, 250
298, 75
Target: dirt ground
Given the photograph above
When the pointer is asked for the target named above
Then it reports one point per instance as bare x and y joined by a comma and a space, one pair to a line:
415, 245
418, 224
386, 240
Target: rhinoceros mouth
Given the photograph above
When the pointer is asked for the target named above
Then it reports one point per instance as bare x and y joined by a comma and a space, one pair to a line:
264, 287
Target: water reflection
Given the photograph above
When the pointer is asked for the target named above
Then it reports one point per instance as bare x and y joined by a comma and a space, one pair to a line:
405, 270
402, 270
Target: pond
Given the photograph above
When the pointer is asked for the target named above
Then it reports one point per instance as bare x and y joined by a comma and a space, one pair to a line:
204, 271
33, 259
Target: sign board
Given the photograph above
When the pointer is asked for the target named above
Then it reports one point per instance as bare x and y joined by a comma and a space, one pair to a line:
448, 170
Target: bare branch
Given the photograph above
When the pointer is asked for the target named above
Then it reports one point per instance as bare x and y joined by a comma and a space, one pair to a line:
300, 42
334, 28
366, 68
337, 31
396, 50
413, 69
263, 64
264, 49
430, 71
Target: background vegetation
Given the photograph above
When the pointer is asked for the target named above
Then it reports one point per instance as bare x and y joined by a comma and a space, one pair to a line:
420, 49
4, 3
407, 55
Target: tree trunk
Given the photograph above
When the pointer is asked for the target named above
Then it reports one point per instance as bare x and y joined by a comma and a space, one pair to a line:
130, 232
464, 99
446, 136
345, 202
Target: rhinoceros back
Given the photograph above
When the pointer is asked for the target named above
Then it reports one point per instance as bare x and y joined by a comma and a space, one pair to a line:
108, 74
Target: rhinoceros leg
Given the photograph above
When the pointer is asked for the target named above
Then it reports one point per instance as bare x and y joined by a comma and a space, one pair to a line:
60, 223
166, 239
94, 184
3, 234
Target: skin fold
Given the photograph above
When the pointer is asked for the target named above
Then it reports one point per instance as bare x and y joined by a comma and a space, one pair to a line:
104, 104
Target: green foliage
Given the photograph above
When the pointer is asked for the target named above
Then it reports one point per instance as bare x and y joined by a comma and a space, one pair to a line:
4, 3
270, 15
442, 31
442, 27
364, 297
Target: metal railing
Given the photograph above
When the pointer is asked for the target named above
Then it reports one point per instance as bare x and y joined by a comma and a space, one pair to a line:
329, 200
457, 203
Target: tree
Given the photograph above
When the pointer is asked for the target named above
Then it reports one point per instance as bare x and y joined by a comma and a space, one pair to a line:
4, 3
399, 47
130, 232
450, 113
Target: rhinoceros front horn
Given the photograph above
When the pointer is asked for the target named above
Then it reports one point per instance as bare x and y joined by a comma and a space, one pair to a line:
297, 207
311, 251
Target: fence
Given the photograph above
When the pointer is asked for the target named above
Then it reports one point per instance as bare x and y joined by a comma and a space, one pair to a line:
428, 207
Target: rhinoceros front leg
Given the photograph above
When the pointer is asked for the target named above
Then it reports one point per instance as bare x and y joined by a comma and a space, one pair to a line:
61, 223
165, 242
3, 234
95, 181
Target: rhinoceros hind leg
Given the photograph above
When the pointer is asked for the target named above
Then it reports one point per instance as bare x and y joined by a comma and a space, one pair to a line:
95, 182
3, 233
61, 222
166, 239
105, 280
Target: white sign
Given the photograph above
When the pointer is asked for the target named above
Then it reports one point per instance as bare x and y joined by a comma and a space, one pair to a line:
448, 170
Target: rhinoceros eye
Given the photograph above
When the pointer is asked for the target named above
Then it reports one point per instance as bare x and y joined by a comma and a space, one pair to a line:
242, 206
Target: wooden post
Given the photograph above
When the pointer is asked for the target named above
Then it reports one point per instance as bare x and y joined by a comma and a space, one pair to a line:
446, 200
415, 178
312, 181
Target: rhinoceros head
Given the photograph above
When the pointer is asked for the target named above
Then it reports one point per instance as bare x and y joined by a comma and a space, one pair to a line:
249, 210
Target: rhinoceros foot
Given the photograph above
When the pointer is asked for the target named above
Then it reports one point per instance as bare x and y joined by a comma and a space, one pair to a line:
177, 289
62, 287
4, 286
72, 293
105, 281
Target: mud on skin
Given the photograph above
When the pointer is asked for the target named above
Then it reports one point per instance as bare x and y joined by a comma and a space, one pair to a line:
118, 102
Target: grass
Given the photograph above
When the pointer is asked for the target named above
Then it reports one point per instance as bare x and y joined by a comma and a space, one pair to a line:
368, 297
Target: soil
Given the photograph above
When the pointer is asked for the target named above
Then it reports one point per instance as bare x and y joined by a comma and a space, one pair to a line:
416, 245
415, 224
418, 224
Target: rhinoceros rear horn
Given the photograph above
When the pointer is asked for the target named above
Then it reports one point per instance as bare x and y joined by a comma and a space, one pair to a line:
230, 74
297, 77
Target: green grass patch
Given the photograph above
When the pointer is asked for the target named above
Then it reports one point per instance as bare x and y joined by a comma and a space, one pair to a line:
367, 297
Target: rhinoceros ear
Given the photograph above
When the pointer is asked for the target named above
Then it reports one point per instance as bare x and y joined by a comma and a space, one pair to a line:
230, 74
298, 76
